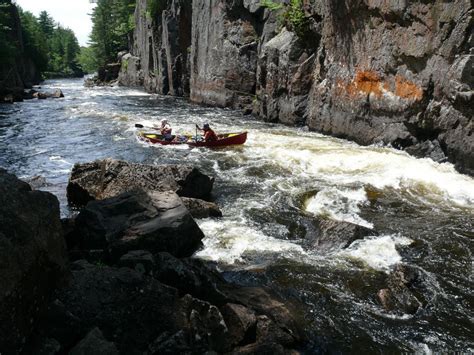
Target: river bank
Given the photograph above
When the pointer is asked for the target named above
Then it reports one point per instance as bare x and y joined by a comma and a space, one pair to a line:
267, 191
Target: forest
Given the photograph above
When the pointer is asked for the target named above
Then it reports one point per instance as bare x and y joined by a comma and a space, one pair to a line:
54, 49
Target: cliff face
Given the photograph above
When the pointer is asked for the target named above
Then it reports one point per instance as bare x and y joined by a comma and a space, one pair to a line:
19, 72
389, 71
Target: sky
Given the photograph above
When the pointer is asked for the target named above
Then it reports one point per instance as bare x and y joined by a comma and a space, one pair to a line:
73, 14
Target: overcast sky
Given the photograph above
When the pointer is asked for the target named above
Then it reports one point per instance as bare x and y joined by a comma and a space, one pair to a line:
73, 14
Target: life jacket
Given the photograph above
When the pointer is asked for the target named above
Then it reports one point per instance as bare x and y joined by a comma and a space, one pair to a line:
210, 136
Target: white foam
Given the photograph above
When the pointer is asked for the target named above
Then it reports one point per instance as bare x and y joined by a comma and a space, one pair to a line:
376, 252
339, 204
229, 242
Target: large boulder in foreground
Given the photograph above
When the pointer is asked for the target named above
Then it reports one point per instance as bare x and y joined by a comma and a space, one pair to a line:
137, 220
141, 314
32, 258
330, 235
108, 178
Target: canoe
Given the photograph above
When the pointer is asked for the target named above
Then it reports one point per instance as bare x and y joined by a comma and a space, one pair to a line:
223, 140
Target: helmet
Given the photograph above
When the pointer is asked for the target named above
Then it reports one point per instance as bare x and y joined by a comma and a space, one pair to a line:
163, 122
206, 126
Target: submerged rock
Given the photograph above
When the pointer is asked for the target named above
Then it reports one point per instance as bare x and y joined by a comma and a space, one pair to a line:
139, 220
331, 235
200, 208
33, 260
406, 290
107, 178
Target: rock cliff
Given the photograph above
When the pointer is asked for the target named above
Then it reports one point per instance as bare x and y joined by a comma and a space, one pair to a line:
19, 72
392, 71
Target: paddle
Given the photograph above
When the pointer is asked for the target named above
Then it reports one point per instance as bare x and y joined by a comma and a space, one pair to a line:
138, 125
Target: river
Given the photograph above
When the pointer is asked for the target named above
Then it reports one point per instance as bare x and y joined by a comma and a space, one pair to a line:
268, 190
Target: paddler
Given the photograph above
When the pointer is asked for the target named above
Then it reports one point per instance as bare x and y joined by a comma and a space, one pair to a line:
166, 130
209, 134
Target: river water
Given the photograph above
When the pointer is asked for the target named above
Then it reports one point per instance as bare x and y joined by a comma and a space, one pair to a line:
269, 190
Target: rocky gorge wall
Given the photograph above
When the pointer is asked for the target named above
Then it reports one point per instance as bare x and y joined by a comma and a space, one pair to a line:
374, 71
19, 72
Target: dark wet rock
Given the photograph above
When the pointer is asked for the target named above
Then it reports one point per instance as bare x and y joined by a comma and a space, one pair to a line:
263, 348
129, 308
330, 235
200, 208
153, 221
264, 303
428, 149
191, 276
32, 258
48, 346
94, 344
406, 291
269, 331
170, 344
107, 178
56, 94
207, 326
36, 182
140, 260
241, 322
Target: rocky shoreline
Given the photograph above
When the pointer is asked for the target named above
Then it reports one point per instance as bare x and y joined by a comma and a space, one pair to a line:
120, 276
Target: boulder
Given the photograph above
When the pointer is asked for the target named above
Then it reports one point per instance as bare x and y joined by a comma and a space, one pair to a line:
94, 344
107, 178
330, 235
131, 308
406, 290
36, 182
138, 220
57, 94
241, 322
140, 260
200, 208
33, 259
191, 276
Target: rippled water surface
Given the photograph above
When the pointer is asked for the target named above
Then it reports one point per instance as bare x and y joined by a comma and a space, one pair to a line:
270, 190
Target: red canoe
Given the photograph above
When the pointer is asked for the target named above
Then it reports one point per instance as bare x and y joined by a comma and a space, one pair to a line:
222, 141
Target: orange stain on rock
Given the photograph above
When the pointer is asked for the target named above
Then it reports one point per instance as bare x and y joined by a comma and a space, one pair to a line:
407, 90
369, 82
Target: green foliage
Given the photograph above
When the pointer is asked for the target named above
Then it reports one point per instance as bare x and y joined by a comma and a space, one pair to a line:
87, 60
290, 15
46, 24
34, 40
50, 47
296, 18
8, 48
64, 50
155, 8
271, 5
111, 26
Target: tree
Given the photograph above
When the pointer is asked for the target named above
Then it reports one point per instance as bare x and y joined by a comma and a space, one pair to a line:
111, 27
46, 24
7, 46
34, 41
87, 60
